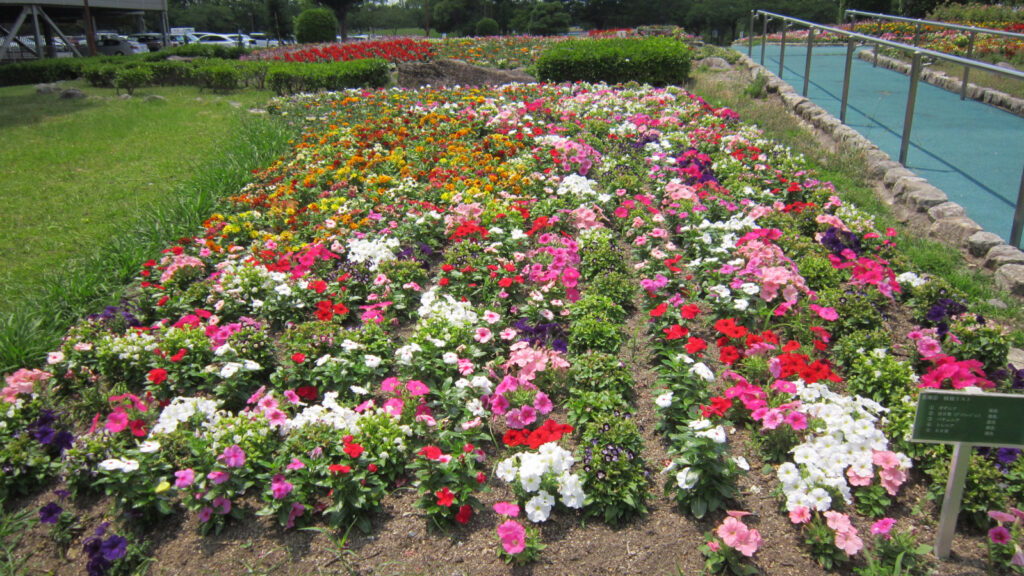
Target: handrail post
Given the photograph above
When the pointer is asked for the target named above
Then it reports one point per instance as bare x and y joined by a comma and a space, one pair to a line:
846, 78
908, 119
782, 50
874, 51
917, 34
967, 69
1018, 216
764, 37
750, 38
807, 65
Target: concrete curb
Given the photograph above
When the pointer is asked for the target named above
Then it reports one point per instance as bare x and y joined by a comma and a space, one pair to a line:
936, 78
946, 221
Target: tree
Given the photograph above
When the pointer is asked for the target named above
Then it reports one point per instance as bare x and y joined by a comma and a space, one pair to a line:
279, 18
316, 25
341, 8
543, 18
455, 15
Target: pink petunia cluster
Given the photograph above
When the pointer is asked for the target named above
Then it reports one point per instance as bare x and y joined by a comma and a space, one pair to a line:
959, 374
846, 534
21, 382
738, 536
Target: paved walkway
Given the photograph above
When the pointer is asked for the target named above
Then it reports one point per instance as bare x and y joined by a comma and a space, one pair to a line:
971, 151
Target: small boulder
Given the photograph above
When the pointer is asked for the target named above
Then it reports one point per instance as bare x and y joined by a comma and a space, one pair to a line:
72, 94
714, 63
155, 98
47, 88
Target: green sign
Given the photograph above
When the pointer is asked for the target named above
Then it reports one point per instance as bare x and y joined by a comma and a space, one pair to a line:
948, 417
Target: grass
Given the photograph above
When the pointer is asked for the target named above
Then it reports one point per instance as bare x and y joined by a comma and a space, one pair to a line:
93, 188
845, 169
1005, 84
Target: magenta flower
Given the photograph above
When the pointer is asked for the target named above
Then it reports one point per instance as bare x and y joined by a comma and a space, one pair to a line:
999, 535
416, 388
280, 487
223, 503
205, 514
527, 415
883, 527
542, 403
513, 536
184, 478
218, 476
117, 421
296, 511
507, 509
233, 457
295, 464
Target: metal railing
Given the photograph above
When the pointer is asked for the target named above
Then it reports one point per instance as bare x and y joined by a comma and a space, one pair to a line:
915, 74
918, 23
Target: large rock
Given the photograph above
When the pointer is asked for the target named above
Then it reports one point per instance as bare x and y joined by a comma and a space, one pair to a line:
1011, 278
946, 210
72, 93
1002, 255
981, 242
954, 231
455, 73
713, 63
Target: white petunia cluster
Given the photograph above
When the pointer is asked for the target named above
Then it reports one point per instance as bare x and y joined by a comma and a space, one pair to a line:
534, 470
847, 437
182, 409
576, 185
373, 252
444, 306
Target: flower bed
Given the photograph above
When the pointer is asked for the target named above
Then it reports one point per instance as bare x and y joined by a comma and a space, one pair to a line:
431, 291
393, 50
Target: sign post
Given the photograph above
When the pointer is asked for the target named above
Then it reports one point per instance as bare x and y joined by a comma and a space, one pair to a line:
965, 420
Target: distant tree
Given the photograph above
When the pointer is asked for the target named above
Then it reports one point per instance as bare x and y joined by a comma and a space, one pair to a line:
316, 25
487, 27
542, 19
720, 16
455, 16
341, 8
279, 15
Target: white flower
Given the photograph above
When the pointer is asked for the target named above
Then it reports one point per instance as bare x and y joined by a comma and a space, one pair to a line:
538, 508
700, 369
665, 400
742, 463
529, 482
372, 361
506, 469
700, 424
687, 478
450, 357
252, 365
717, 434
149, 446
229, 369
283, 290
788, 474
359, 390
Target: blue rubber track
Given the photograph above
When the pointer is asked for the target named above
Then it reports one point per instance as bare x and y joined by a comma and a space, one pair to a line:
971, 151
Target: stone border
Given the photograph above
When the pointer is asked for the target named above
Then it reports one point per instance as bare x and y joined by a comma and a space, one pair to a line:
942, 219
940, 79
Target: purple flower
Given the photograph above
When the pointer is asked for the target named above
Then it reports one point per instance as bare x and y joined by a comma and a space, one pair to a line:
114, 548
50, 513
999, 535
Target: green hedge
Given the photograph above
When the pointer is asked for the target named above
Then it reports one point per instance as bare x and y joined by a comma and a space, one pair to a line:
40, 71
655, 61
292, 77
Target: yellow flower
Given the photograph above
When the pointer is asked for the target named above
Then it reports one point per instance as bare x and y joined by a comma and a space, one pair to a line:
163, 486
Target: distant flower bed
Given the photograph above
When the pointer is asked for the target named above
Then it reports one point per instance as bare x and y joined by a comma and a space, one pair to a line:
506, 52
392, 50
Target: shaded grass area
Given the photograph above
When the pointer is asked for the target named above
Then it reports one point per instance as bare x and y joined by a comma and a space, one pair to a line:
846, 170
93, 188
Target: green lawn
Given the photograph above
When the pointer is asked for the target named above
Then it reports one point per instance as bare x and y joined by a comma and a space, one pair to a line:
75, 171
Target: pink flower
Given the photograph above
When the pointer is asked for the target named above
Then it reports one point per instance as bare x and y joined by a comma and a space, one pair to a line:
621, 212
838, 521
280, 487
256, 395
233, 457
508, 333
223, 503
184, 478
732, 531
296, 511
883, 527
824, 313
892, 479
483, 335
749, 544
389, 384
800, 515
513, 536
295, 464
218, 476
394, 406
542, 403
507, 509
117, 421
527, 415
714, 545
1001, 517
491, 317
205, 514
796, 420
499, 405
857, 479
999, 535
416, 388
292, 397
849, 542
772, 419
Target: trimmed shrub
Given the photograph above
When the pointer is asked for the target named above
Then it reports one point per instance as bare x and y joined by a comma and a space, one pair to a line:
487, 27
40, 71
130, 78
291, 77
100, 74
316, 25
200, 51
655, 61
218, 76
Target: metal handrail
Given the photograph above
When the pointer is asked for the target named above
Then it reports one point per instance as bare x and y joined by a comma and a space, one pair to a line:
915, 73
951, 26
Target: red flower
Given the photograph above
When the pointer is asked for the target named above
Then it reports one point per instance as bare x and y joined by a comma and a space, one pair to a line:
445, 497
695, 345
514, 438
181, 354
465, 513
675, 332
728, 327
717, 408
430, 452
689, 311
138, 428
298, 357
659, 310
306, 392
353, 450
371, 468
157, 375
339, 469
728, 355
481, 478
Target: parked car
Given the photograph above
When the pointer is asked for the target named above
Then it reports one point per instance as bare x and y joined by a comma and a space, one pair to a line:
218, 39
264, 41
246, 41
154, 41
113, 45
182, 39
